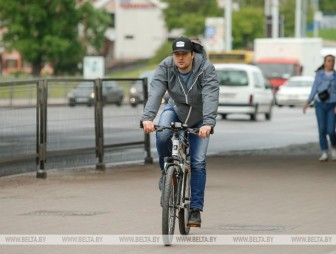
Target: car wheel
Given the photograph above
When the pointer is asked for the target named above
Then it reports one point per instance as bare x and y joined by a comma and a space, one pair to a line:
268, 115
90, 103
253, 116
72, 102
119, 102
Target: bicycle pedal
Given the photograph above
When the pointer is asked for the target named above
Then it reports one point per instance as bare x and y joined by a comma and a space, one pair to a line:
193, 225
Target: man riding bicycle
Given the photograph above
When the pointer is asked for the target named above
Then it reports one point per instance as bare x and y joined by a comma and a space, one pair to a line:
193, 87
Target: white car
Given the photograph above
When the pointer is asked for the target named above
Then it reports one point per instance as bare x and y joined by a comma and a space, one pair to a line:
295, 91
243, 90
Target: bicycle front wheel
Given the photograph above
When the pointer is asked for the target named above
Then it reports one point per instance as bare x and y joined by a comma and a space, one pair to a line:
169, 205
183, 214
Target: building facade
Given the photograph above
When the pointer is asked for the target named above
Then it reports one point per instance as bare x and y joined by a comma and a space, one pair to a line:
137, 29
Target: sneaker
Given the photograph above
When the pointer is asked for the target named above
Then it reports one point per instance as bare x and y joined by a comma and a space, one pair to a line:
333, 154
324, 157
194, 218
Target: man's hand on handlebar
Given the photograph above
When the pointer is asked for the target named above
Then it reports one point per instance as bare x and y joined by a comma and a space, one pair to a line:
204, 131
148, 126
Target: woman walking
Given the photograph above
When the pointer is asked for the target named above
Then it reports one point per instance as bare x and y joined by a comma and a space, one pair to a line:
323, 92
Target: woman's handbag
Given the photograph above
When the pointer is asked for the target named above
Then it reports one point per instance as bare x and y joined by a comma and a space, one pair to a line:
324, 95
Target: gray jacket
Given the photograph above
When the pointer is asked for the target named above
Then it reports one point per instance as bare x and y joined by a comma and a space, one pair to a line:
200, 102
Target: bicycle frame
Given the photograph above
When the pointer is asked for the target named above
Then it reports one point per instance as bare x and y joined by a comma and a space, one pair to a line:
180, 159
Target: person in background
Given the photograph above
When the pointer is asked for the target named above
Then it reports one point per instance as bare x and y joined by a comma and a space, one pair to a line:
193, 87
325, 79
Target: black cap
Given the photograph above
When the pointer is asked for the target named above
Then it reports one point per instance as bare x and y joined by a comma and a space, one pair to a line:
182, 44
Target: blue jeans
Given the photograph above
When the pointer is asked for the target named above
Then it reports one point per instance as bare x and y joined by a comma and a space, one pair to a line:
326, 124
198, 148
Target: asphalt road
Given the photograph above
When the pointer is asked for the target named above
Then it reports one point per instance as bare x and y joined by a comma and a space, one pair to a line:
288, 126
73, 127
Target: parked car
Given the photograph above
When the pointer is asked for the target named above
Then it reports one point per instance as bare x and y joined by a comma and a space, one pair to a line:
84, 93
295, 91
136, 95
243, 90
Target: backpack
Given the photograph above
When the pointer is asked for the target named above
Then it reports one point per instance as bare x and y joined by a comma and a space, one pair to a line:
198, 48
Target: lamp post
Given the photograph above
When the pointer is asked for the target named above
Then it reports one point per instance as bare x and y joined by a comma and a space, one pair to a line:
275, 18
228, 25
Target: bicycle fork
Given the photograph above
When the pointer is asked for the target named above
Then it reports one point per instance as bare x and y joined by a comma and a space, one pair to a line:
180, 180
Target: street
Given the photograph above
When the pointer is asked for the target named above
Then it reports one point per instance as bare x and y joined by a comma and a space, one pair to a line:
288, 126
73, 128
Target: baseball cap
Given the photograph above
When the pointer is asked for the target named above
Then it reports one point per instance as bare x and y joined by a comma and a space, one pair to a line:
182, 44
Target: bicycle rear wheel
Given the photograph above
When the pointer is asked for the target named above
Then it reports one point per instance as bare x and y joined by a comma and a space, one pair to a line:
183, 214
169, 205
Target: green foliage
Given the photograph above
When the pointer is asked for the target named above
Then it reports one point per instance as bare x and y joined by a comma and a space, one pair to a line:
47, 31
326, 34
95, 23
250, 3
287, 10
164, 51
247, 24
327, 6
190, 15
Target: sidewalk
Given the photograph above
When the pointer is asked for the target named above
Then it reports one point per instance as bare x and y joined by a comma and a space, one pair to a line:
274, 192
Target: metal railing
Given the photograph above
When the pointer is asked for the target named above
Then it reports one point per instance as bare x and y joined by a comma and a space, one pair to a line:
51, 123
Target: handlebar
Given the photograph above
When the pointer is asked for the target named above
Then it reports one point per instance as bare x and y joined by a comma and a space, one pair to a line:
177, 126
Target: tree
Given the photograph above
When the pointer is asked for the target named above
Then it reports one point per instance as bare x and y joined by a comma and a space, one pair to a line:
328, 6
250, 3
47, 31
190, 15
287, 9
247, 24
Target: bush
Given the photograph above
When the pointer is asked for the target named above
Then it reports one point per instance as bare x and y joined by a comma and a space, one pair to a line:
164, 51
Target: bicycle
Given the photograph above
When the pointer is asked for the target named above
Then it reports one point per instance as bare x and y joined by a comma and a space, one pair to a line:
175, 189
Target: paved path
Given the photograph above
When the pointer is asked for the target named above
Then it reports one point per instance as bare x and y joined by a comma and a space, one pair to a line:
281, 192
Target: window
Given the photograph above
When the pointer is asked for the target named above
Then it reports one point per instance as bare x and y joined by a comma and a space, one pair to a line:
12, 63
232, 78
277, 70
112, 22
234, 56
129, 37
258, 80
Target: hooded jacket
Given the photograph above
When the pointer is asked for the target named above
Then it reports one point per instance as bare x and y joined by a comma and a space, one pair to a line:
323, 82
198, 103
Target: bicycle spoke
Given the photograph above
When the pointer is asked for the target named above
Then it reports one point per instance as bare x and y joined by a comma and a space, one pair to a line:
169, 206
